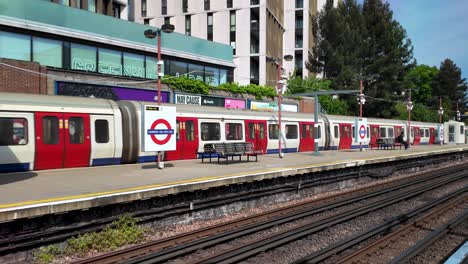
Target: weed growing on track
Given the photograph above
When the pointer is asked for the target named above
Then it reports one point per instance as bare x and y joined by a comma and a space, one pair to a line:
121, 232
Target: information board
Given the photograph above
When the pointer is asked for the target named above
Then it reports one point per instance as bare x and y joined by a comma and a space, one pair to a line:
159, 124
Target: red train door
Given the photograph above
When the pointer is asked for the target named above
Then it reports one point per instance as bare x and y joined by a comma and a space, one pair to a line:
77, 140
345, 136
62, 140
50, 145
374, 134
417, 136
307, 136
432, 135
187, 139
255, 132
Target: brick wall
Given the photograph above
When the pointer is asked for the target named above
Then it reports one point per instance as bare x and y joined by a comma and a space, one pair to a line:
306, 105
24, 79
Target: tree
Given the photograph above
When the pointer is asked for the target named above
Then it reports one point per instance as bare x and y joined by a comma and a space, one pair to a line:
353, 42
297, 85
420, 79
449, 84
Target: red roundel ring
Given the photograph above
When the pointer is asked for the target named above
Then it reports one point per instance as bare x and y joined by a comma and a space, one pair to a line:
362, 131
167, 138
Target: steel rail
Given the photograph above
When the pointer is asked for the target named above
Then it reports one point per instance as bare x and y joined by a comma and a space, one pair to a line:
188, 245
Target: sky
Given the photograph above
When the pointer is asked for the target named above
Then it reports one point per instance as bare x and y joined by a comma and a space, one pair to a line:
438, 29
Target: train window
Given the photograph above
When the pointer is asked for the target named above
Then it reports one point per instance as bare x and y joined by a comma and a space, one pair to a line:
210, 131
383, 132
262, 130
462, 128
291, 132
273, 131
390, 132
427, 132
189, 130
336, 132
233, 131
50, 130
412, 132
76, 130
367, 132
319, 132
177, 130
303, 131
102, 131
13, 131
311, 131
354, 132
251, 130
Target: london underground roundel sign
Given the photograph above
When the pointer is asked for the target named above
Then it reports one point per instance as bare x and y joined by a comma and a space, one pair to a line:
362, 132
360, 127
158, 128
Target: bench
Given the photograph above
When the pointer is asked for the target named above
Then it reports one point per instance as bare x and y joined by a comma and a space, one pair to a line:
386, 143
208, 152
229, 150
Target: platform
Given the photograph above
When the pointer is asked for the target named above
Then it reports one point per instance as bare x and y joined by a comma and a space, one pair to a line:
32, 194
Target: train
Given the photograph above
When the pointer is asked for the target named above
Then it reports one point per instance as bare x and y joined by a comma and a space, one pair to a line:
42, 132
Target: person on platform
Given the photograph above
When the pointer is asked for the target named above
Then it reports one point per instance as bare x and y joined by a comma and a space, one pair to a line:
400, 140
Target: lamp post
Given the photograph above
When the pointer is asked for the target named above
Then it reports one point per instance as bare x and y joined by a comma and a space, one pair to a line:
279, 93
409, 107
361, 100
166, 28
441, 112
458, 112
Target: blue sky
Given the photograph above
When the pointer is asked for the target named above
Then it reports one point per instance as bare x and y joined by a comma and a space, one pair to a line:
438, 29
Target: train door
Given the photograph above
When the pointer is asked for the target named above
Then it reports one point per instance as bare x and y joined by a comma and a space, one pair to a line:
417, 136
345, 136
255, 132
62, 140
186, 139
374, 134
307, 136
432, 135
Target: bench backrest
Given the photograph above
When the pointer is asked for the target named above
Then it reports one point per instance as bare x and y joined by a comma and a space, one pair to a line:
230, 148
209, 148
249, 147
240, 147
219, 148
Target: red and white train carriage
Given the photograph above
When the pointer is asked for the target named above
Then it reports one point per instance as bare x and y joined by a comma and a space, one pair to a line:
48, 132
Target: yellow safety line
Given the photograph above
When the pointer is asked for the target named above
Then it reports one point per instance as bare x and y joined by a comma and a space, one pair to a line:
81, 196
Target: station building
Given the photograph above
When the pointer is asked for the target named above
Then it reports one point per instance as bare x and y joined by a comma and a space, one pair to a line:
51, 48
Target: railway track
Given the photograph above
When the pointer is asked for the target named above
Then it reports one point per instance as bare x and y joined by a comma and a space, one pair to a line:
181, 245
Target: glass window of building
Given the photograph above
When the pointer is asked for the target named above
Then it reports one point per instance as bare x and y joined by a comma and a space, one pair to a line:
92, 6
143, 8
207, 5
167, 20
116, 10
47, 52
65, 2
254, 2
83, 57
212, 76
195, 72
223, 76
291, 131
232, 29
184, 6
102, 131
188, 25
134, 65
146, 21
233, 131
299, 3
151, 67
177, 68
210, 26
229, 4
15, 46
210, 131
110, 62
13, 131
163, 7
273, 131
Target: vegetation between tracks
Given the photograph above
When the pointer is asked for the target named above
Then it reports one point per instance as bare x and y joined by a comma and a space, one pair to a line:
121, 232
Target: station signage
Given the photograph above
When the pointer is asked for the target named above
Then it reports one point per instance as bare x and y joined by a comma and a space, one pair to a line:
441, 133
158, 128
212, 101
233, 103
272, 106
187, 99
360, 128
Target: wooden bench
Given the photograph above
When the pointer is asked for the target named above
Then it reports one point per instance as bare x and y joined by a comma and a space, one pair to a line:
247, 149
226, 150
386, 143
208, 152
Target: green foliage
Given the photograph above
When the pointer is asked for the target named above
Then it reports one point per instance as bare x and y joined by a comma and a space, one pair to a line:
419, 113
420, 79
122, 232
297, 85
188, 85
47, 254
258, 90
450, 85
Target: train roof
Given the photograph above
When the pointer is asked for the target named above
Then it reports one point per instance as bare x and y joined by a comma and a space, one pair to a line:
55, 103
